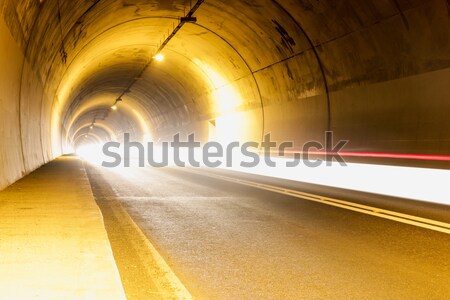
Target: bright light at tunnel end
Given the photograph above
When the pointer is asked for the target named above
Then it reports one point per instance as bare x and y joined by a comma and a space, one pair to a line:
91, 153
255, 158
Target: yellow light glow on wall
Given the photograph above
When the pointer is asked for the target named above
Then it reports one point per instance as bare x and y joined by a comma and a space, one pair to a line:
144, 122
227, 99
231, 127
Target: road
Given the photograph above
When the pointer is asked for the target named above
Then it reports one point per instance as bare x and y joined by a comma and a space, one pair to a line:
229, 241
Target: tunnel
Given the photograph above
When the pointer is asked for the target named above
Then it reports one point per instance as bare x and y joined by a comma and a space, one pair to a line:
375, 73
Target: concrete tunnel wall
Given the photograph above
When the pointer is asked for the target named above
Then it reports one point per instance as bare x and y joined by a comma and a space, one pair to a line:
375, 72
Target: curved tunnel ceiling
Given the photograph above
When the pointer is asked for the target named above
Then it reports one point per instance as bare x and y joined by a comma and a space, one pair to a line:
292, 68
176, 92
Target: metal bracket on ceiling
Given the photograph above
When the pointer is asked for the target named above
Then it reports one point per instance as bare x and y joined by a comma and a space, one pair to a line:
188, 19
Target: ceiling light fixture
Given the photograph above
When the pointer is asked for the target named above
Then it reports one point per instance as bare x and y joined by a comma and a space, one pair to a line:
189, 17
114, 106
159, 57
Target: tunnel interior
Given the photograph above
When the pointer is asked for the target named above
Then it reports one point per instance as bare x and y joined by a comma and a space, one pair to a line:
374, 72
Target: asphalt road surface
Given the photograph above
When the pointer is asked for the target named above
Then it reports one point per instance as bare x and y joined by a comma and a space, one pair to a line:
229, 241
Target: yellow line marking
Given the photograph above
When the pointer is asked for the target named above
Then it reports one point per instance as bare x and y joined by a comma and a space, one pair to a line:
170, 286
365, 209
176, 286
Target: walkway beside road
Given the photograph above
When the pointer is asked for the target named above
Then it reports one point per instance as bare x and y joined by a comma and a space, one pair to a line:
53, 243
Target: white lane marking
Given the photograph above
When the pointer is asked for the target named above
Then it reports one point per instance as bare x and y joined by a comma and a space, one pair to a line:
365, 209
